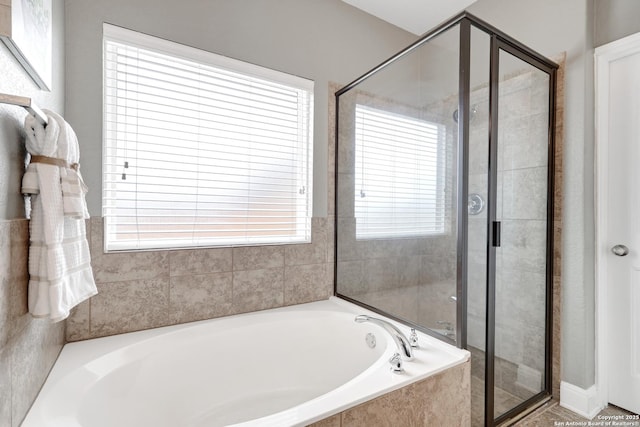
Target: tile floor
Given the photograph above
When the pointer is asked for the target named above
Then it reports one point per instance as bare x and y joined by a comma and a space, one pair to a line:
550, 414
503, 401
554, 415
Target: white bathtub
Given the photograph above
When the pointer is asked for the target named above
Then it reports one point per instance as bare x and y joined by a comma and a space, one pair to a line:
284, 367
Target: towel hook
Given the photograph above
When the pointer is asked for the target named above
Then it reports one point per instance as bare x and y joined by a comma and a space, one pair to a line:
27, 104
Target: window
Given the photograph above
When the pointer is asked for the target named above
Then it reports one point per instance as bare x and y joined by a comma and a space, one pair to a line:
400, 175
200, 149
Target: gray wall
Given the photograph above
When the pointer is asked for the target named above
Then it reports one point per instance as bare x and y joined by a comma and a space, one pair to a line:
615, 19
330, 41
574, 26
28, 347
551, 27
324, 40
15, 81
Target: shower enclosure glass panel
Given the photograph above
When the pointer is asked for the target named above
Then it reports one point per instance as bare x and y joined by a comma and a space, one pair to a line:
521, 259
397, 180
444, 202
477, 210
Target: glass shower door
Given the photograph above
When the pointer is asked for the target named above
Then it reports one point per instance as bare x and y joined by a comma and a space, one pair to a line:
397, 180
523, 241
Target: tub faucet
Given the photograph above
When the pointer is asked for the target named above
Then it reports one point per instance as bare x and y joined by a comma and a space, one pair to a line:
404, 346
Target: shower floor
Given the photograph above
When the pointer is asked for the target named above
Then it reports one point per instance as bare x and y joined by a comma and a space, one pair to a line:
507, 392
503, 401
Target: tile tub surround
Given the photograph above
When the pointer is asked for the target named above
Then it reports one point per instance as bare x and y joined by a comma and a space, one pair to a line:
143, 290
28, 347
441, 400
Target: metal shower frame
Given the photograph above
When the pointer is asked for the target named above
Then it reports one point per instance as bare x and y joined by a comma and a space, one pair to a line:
499, 41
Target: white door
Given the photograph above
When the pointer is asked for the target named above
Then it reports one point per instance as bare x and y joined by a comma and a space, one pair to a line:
618, 198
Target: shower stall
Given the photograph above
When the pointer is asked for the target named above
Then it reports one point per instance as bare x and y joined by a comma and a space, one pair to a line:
444, 203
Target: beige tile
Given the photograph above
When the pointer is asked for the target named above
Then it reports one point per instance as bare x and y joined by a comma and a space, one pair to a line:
130, 306
5, 283
198, 297
409, 247
331, 238
557, 248
348, 248
525, 194
5, 388
409, 269
14, 243
120, 267
556, 370
331, 194
449, 403
351, 278
477, 402
78, 322
333, 421
440, 400
124, 266
434, 304
331, 150
390, 410
34, 351
258, 289
345, 147
309, 253
525, 143
380, 273
400, 302
5, 18
521, 299
524, 245
19, 247
200, 261
346, 197
330, 278
258, 257
552, 414
305, 283
557, 238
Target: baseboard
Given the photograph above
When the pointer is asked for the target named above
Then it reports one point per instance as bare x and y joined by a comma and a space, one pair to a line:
583, 402
528, 378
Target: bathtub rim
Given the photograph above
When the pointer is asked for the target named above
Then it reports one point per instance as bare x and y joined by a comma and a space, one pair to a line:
79, 353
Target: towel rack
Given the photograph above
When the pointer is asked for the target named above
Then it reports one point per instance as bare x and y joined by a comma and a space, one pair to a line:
26, 103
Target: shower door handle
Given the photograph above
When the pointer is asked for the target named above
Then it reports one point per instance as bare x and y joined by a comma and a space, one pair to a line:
496, 234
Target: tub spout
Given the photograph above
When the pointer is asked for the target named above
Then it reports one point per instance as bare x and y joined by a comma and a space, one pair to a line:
404, 346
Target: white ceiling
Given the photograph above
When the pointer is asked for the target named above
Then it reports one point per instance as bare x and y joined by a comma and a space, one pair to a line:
415, 16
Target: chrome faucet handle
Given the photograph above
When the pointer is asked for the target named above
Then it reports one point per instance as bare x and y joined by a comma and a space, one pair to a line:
402, 342
396, 363
413, 338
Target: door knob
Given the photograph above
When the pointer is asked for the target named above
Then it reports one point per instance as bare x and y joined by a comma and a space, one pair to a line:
620, 250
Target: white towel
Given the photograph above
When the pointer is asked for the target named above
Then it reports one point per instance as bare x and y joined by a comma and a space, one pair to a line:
60, 275
73, 191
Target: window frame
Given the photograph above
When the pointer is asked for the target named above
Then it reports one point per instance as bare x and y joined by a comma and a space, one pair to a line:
443, 174
139, 40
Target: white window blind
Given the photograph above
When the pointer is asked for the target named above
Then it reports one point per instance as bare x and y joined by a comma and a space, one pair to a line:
200, 149
400, 175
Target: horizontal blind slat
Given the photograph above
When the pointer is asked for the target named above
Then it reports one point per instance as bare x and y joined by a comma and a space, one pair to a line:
213, 156
399, 175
